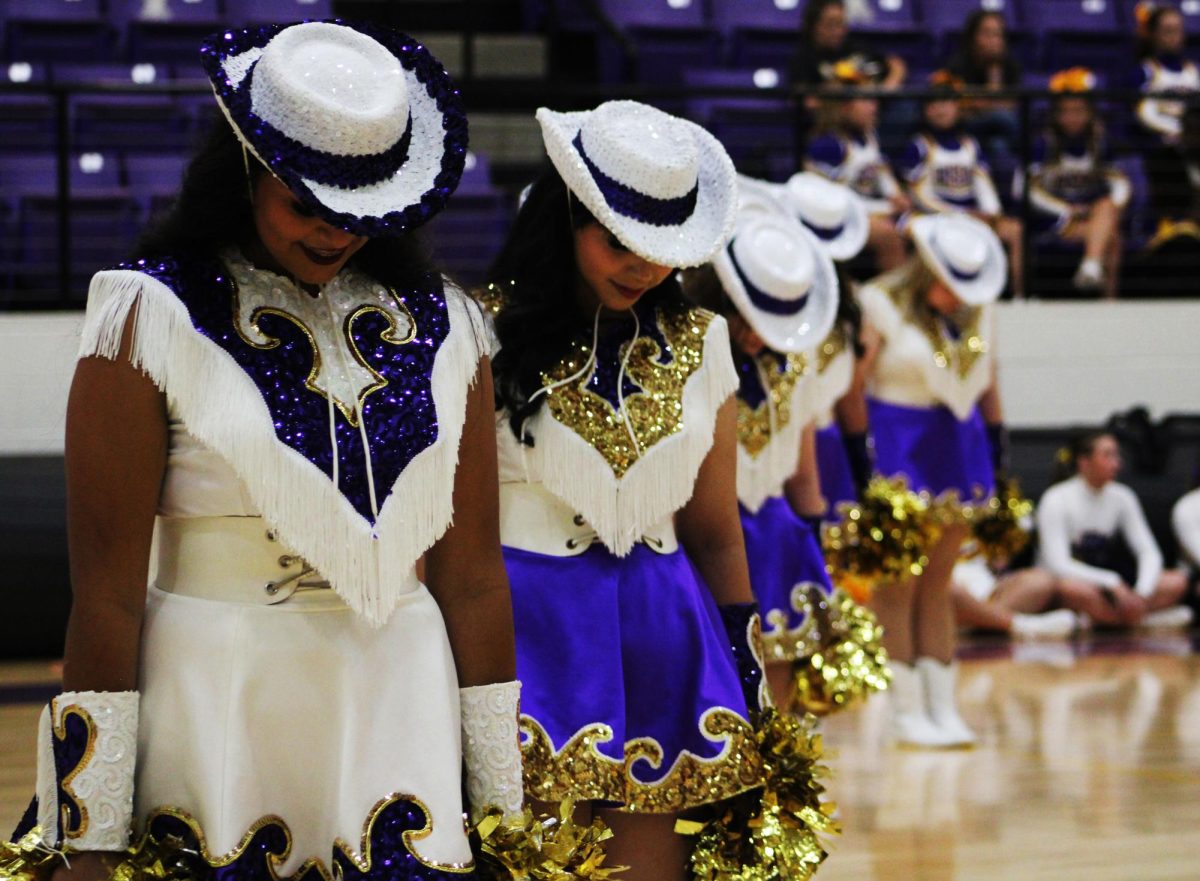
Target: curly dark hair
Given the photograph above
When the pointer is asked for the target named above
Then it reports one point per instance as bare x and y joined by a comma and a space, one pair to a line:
213, 211
537, 272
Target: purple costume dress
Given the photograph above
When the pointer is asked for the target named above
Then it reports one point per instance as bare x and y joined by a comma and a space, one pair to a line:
630, 692
924, 391
828, 378
786, 562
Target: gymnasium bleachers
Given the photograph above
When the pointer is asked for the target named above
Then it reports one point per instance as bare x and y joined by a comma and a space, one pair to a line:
125, 77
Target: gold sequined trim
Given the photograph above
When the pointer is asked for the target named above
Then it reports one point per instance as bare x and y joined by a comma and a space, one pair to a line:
580, 771
60, 733
492, 298
655, 411
779, 375
958, 355
784, 644
310, 381
361, 859
830, 348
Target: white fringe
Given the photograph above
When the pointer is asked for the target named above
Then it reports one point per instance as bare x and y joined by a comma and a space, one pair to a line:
823, 390
660, 482
761, 477
943, 384
221, 406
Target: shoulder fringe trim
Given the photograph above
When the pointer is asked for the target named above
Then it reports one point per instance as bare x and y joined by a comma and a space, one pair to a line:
959, 394
827, 388
369, 569
662, 480
761, 477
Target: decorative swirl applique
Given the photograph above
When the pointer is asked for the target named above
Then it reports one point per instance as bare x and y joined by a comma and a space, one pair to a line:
385, 853
491, 747
669, 349
765, 397
579, 770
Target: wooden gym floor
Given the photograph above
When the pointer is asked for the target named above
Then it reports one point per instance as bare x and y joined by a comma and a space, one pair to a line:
1088, 769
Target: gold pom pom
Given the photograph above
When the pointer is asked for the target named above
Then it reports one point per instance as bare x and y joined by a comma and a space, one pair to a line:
773, 833
30, 859
998, 525
884, 537
850, 664
541, 849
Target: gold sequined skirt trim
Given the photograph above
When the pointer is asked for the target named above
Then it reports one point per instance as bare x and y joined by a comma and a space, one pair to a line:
580, 771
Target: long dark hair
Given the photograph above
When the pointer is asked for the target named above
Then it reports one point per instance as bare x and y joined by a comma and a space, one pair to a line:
213, 211
1145, 43
971, 29
1066, 459
812, 14
1093, 134
538, 275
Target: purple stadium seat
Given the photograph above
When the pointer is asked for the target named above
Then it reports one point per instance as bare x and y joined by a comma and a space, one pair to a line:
477, 175
894, 29
245, 12
889, 16
759, 33
468, 233
667, 36
1092, 33
949, 16
115, 122
143, 73
48, 30
154, 179
27, 122
758, 132
165, 30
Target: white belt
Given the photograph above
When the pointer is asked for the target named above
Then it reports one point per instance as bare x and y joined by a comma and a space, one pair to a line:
534, 519
235, 560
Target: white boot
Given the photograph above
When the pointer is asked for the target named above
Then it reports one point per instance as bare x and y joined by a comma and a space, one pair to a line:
939, 682
911, 724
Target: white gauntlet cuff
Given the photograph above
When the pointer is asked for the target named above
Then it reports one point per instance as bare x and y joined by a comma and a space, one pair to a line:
87, 749
492, 748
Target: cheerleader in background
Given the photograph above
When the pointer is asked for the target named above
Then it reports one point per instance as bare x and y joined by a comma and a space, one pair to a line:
1092, 529
838, 218
945, 171
1163, 70
1075, 192
617, 432
777, 288
845, 149
927, 388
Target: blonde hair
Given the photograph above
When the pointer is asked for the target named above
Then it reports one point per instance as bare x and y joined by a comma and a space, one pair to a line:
907, 284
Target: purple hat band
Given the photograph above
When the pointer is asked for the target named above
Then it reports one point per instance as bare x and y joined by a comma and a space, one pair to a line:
324, 168
956, 274
628, 202
760, 298
825, 233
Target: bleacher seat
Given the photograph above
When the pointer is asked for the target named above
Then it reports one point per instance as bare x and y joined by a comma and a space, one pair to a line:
154, 180
758, 133
43, 30
468, 232
1091, 33
895, 29
667, 37
164, 31
759, 33
246, 12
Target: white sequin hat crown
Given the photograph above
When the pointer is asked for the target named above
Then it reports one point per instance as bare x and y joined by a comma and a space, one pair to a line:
964, 253
833, 211
780, 279
360, 122
662, 185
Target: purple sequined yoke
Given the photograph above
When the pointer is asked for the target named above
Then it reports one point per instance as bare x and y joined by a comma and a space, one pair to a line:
401, 419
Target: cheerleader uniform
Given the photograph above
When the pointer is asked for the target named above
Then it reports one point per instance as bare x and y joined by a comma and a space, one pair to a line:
1065, 173
632, 696
1166, 75
1099, 536
923, 392
786, 562
299, 701
946, 172
831, 373
855, 159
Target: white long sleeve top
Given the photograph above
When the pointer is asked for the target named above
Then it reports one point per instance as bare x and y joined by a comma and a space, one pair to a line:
1073, 508
1185, 520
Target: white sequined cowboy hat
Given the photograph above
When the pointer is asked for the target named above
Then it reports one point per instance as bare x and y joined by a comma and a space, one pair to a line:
964, 253
835, 213
780, 279
663, 186
360, 122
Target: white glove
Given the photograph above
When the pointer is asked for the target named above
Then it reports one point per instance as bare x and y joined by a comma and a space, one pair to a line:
87, 750
492, 748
